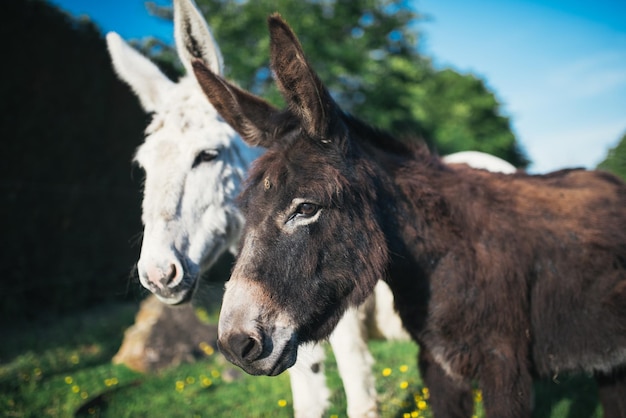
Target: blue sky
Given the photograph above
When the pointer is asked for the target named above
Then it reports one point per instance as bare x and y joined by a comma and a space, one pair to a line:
558, 67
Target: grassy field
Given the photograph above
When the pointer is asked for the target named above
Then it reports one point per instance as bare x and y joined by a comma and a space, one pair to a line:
61, 367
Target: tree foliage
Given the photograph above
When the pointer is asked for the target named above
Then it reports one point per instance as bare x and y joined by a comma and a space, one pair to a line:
366, 51
615, 161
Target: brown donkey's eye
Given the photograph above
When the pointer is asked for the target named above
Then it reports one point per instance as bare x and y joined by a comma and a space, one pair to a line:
307, 209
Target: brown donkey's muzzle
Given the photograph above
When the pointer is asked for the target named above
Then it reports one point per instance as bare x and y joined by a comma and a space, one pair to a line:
252, 334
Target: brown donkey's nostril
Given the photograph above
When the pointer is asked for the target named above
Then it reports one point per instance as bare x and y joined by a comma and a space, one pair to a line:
251, 349
242, 347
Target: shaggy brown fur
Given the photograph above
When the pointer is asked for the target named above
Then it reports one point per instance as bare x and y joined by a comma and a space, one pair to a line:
499, 278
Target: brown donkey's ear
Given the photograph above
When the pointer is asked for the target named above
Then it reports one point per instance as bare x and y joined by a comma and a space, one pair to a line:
249, 115
304, 92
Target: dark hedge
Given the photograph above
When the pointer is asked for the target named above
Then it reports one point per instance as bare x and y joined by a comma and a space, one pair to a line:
70, 199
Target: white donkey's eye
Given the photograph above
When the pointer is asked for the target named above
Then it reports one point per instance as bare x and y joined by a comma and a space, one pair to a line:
205, 156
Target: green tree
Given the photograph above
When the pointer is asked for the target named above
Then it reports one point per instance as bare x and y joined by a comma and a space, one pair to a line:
461, 113
366, 51
615, 161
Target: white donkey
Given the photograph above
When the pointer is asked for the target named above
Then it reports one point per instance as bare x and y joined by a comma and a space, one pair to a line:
194, 164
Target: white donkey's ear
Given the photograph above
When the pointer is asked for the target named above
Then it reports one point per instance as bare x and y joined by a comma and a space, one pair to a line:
144, 77
194, 39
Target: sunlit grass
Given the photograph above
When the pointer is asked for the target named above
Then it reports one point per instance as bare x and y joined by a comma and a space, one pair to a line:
63, 369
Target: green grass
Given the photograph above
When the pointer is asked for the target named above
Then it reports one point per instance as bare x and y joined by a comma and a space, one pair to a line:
61, 367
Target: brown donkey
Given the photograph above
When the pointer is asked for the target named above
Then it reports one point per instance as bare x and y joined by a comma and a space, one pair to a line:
499, 278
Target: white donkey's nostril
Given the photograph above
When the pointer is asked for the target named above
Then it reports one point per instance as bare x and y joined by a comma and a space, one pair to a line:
164, 277
170, 278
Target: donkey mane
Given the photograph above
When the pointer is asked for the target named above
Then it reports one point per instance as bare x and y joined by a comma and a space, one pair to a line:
382, 145
384, 140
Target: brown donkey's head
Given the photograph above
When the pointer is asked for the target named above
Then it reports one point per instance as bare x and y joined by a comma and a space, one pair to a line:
313, 244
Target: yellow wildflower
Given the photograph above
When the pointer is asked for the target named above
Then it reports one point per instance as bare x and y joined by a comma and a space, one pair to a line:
478, 396
386, 371
206, 348
282, 403
202, 315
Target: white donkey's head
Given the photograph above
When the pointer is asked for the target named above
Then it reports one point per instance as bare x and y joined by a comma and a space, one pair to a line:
193, 161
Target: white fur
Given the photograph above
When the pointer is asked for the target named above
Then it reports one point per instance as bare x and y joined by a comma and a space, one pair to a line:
145, 78
190, 218
476, 159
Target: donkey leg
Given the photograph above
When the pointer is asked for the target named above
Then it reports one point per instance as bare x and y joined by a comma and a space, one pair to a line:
308, 382
449, 398
506, 384
612, 394
354, 362
388, 322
